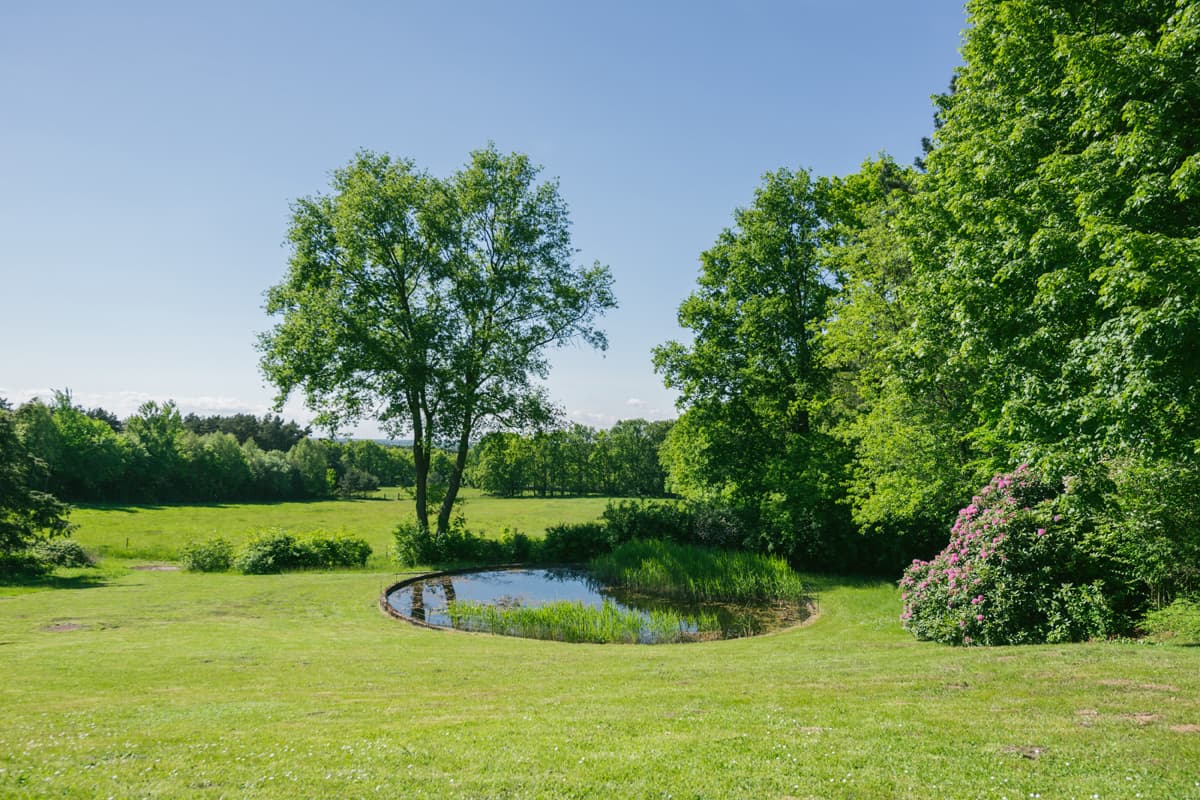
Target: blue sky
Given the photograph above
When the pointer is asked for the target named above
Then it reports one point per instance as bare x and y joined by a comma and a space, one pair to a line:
148, 153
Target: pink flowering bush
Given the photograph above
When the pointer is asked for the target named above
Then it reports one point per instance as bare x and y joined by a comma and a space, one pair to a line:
1010, 575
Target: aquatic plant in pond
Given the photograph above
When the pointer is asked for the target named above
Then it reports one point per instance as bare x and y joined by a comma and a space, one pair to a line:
427, 600
698, 574
572, 621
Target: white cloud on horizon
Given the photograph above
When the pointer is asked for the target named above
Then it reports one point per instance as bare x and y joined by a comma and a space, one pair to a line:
125, 403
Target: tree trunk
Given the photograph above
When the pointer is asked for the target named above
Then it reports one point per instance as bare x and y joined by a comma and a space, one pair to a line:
460, 463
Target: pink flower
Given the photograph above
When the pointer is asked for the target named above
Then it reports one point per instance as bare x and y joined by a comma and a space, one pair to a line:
1041, 531
979, 617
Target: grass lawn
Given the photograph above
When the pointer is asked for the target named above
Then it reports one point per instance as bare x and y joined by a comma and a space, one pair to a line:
151, 532
128, 683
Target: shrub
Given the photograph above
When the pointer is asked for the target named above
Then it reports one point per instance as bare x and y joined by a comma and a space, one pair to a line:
356, 482
1178, 622
270, 551
717, 526
575, 543
1010, 575
61, 552
416, 545
21, 563
275, 550
517, 546
215, 555
327, 552
634, 519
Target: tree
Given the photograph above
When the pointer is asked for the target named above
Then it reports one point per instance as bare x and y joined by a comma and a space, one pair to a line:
752, 382
910, 465
26, 513
429, 304
1058, 233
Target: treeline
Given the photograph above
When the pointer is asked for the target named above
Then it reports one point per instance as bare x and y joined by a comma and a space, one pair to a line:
157, 455
869, 351
575, 460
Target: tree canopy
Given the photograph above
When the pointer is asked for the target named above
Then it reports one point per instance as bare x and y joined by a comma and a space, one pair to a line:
428, 304
27, 512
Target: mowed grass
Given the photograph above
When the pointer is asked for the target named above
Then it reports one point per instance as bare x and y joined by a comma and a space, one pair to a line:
126, 683
157, 532
171, 684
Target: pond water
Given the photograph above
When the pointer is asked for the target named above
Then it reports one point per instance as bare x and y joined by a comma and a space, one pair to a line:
426, 600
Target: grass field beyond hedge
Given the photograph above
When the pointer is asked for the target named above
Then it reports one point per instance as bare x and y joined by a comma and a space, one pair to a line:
171, 684
156, 532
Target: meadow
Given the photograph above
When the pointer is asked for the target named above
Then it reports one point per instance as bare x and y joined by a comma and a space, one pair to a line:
140, 683
156, 532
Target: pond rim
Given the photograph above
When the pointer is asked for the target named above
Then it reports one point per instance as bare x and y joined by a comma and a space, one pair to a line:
812, 606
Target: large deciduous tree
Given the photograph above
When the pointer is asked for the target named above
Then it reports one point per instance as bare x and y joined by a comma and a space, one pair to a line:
429, 304
751, 381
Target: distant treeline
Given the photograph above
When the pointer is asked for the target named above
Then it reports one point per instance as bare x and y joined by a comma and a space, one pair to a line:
619, 462
158, 455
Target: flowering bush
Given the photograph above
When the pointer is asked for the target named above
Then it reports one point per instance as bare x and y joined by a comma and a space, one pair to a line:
1010, 575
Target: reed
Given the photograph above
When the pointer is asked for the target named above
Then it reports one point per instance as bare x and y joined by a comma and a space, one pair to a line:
575, 622
698, 574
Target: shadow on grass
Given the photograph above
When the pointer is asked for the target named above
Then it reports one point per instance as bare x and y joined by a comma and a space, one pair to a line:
818, 582
82, 580
133, 508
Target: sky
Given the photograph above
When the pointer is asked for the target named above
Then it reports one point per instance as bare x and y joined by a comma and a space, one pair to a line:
149, 153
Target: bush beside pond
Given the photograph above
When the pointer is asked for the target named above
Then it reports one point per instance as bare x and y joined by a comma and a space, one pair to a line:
277, 550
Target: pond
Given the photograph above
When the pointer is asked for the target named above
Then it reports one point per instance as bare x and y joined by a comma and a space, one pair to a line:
443, 600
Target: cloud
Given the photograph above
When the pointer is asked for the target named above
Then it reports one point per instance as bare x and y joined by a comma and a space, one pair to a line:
594, 418
636, 402
125, 403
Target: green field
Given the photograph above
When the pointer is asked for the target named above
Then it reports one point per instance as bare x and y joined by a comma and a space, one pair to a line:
128, 683
156, 533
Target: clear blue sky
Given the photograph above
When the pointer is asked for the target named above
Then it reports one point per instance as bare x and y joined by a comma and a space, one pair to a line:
148, 153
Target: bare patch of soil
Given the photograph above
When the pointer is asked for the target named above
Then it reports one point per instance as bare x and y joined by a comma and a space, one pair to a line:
59, 627
1142, 718
157, 567
1186, 728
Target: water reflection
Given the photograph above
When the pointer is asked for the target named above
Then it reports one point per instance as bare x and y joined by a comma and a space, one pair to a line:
426, 600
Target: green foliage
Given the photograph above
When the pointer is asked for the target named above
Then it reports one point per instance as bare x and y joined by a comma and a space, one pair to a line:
270, 432
1178, 622
61, 552
214, 555
620, 462
1013, 573
357, 483
1146, 527
752, 381
639, 519
575, 543
566, 621
276, 550
418, 545
431, 302
28, 514
698, 574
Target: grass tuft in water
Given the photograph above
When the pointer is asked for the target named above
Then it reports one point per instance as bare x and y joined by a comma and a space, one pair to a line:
566, 621
698, 574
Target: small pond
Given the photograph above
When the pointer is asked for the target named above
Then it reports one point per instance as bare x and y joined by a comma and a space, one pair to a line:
428, 601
